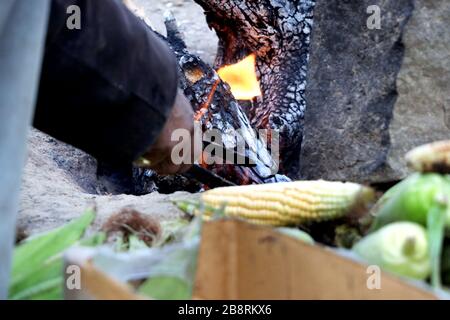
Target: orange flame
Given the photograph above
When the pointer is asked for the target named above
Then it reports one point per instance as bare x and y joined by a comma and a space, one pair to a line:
242, 78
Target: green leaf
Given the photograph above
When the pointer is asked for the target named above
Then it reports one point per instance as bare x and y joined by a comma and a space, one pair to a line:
48, 274
166, 288
95, 240
134, 243
198, 208
436, 232
188, 206
172, 230
173, 276
51, 289
39, 259
53, 293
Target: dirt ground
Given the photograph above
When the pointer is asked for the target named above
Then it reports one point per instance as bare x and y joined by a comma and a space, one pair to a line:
60, 182
191, 19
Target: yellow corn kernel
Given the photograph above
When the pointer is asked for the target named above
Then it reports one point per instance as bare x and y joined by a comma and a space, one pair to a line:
289, 203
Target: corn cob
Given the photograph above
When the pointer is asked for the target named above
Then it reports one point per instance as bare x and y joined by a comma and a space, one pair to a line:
289, 203
433, 157
400, 247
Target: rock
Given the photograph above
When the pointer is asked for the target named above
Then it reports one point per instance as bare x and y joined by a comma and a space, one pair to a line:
422, 111
60, 183
374, 94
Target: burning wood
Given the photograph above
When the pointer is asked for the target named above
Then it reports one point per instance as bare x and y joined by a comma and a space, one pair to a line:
278, 33
242, 78
217, 109
261, 65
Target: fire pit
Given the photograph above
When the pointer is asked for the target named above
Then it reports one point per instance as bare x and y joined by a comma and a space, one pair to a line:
277, 33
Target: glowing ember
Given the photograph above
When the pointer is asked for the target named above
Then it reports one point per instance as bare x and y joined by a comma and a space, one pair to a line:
242, 78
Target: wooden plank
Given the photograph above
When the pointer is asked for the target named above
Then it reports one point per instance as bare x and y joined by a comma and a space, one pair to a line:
242, 261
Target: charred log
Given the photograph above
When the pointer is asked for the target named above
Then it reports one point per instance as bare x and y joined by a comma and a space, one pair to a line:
216, 108
278, 32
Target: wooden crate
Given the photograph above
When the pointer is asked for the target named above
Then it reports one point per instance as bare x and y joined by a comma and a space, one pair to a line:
243, 261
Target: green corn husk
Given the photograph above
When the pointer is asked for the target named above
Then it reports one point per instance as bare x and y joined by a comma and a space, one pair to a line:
423, 199
37, 262
172, 278
436, 233
400, 248
296, 234
411, 200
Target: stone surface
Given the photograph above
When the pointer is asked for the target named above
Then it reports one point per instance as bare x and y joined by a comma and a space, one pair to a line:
358, 124
60, 183
422, 111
